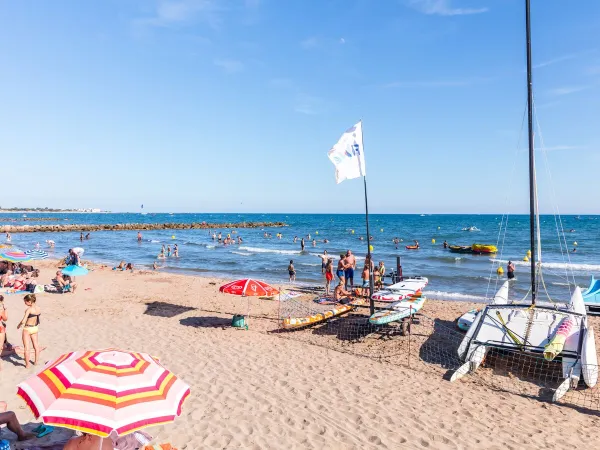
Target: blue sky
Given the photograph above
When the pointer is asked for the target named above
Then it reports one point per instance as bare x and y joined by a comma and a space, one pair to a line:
232, 105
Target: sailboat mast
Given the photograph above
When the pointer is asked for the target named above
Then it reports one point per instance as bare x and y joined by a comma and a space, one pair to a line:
532, 182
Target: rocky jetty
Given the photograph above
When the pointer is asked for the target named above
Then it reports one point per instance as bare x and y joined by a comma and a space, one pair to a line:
134, 227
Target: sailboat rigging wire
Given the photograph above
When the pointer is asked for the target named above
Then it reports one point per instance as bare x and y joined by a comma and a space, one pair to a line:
556, 212
503, 225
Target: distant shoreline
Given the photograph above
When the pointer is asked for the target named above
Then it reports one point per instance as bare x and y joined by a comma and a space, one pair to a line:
50, 211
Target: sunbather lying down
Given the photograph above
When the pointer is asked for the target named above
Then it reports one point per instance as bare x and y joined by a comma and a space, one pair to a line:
9, 419
89, 442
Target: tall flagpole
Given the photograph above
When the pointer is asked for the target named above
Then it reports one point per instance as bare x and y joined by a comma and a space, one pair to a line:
371, 282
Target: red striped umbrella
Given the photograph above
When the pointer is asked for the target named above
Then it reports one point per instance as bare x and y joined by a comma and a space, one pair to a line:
98, 392
249, 287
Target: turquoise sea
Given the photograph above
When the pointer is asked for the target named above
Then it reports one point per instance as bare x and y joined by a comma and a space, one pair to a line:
452, 276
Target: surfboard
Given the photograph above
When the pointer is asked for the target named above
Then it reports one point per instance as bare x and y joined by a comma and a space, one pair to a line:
400, 291
398, 311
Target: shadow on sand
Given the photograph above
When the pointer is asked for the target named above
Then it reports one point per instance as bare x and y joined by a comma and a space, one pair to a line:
162, 309
206, 322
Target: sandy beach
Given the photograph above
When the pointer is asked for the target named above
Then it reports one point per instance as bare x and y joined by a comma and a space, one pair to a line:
261, 389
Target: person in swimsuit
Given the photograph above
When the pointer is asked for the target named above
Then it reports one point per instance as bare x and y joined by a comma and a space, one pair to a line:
510, 270
9, 419
328, 275
89, 442
302, 244
341, 266
3, 319
139, 236
341, 295
365, 280
169, 250
292, 271
324, 258
349, 271
176, 251
30, 324
379, 275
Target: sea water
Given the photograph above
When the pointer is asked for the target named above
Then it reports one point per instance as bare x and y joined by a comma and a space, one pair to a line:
451, 275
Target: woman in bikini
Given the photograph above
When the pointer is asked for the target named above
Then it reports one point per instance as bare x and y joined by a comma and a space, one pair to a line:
30, 324
3, 319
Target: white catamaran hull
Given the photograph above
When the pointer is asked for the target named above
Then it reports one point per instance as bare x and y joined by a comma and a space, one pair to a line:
521, 327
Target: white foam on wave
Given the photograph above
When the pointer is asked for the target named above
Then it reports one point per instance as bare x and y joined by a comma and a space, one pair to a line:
439, 295
243, 253
310, 264
553, 265
269, 250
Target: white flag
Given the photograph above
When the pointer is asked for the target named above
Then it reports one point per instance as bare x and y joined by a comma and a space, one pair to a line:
348, 155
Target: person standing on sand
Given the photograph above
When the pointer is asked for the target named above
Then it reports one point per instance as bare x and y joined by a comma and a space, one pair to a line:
328, 276
30, 324
302, 244
341, 266
350, 265
139, 236
3, 319
292, 271
510, 270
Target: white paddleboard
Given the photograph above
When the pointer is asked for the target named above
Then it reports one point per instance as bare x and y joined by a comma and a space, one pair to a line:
402, 290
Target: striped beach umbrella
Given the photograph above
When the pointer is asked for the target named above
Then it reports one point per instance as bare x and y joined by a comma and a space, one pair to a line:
14, 256
36, 254
248, 287
98, 392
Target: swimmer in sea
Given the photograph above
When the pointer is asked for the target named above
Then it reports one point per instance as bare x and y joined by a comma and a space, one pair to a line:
168, 251
139, 236
154, 266
302, 244
161, 255
295, 239
176, 251
292, 271
314, 243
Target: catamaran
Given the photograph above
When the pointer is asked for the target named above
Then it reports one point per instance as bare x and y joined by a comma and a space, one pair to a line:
550, 328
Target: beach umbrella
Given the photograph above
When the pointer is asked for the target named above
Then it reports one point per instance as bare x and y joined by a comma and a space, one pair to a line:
75, 271
36, 254
14, 256
98, 392
249, 287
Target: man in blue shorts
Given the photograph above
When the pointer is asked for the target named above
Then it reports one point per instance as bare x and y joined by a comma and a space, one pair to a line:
350, 263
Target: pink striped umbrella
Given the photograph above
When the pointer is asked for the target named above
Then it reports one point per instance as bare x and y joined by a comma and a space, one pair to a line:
98, 392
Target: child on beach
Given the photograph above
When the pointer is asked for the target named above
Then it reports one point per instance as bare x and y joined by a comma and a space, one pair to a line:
328, 276
30, 324
365, 281
292, 271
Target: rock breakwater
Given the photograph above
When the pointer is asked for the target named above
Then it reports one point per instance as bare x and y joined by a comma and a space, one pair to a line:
134, 227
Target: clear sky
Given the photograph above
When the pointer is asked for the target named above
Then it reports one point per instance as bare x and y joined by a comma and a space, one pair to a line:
232, 105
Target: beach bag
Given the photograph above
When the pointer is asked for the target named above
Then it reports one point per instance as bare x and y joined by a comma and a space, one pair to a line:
239, 321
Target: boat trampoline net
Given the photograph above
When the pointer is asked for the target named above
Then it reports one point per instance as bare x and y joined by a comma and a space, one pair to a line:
431, 345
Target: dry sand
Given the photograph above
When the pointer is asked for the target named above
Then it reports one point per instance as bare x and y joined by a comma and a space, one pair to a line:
257, 389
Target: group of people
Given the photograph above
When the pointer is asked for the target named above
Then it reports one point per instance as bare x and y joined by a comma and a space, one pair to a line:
167, 253
229, 240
